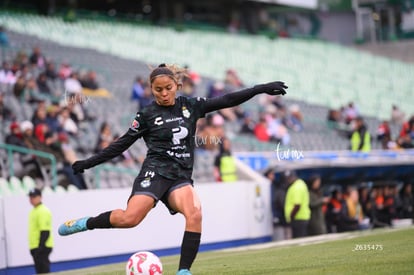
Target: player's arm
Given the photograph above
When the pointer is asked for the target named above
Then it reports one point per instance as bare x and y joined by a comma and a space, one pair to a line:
236, 98
137, 129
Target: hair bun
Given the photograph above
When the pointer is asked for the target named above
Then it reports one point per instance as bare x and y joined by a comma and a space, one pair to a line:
162, 65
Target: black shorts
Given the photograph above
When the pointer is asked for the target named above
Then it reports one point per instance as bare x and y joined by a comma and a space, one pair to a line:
158, 187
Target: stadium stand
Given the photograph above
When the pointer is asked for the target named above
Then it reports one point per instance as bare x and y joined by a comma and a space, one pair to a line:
120, 52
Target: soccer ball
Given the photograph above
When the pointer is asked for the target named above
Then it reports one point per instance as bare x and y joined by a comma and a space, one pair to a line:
143, 263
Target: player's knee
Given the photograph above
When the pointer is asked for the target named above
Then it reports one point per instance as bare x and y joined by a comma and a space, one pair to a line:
195, 216
131, 220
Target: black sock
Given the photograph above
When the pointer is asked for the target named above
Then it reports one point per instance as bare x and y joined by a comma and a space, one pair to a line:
100, 221
189, 249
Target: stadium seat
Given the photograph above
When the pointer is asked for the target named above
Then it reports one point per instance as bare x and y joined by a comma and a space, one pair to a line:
16, 186
59, 189
4, 188
72, 188
28, 183
47, 190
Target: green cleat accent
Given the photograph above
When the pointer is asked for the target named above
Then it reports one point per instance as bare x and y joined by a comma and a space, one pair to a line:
73, 226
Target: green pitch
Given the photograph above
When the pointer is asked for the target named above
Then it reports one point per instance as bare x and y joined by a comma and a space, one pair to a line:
384, 251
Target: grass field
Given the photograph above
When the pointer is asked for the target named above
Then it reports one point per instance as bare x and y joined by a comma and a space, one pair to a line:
384, 251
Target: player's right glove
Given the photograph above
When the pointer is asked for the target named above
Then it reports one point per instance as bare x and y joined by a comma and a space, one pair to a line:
79, 166
272, 88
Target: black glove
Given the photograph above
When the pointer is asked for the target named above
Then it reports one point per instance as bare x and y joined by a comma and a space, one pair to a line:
79, 166
272, 88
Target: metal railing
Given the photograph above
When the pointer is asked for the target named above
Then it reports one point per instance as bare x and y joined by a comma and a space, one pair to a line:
10, 149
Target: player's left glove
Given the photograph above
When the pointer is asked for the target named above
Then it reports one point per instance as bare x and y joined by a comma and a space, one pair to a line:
272, 88
79, 166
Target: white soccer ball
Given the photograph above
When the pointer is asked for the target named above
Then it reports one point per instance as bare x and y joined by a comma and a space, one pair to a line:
143, 263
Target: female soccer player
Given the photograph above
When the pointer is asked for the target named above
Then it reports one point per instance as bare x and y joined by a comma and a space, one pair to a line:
168, 126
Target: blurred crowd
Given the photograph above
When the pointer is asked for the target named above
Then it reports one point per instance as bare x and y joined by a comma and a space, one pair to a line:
348, 121
43, 107
52, 114
340, 208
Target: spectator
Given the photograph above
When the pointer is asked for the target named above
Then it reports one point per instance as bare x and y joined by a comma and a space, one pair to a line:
31, 92
43, 86
232, 81
317, 224
380, 215
397, 116
225, 169
407, 201
37, 58
141, 92
7, 76
39, 115
275, 128
52, 120
215, 89
352, 217
278, 194
65, 70
297, 211
384, 134
261, 129
29, 141
15, 136
406, 136
40, 232
210, 136
360, 138
365, 201
333, 211
189, 82
4, 39
67, 124
351, 112
72, 85
90, 81
105, 137
248, 125
6, 113
19, 89
50, 71
138, 88
334, 117
294, 120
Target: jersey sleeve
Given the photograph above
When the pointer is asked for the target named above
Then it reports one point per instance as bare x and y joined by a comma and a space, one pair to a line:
136, 130
199, 106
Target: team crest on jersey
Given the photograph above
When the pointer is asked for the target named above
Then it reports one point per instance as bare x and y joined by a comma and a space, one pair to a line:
135, 124
146, 182
186, 112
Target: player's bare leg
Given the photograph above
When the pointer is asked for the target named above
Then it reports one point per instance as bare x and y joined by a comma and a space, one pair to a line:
185, 201
137, 208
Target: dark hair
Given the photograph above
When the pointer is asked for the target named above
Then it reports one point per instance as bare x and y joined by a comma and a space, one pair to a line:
173, 71
162, 69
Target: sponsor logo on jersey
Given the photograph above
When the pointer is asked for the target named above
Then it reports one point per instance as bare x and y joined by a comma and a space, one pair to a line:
146, 182
186, 112
158, 121
179, 119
